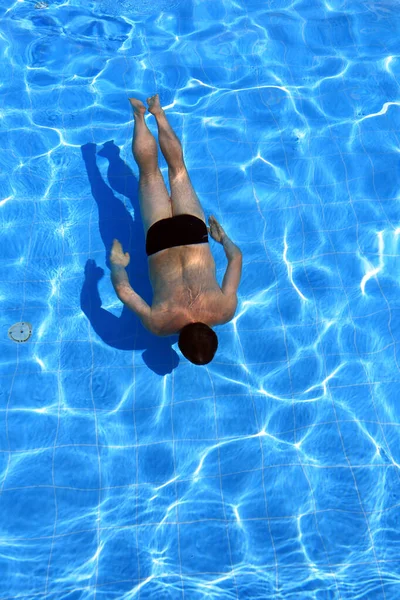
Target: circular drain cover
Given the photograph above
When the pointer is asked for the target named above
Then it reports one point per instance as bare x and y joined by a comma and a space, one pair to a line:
20, 332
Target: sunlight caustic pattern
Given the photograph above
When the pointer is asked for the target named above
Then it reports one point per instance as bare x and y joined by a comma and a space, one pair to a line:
125, 471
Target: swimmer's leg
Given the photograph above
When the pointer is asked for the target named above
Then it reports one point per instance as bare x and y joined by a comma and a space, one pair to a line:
155, 203
183, 196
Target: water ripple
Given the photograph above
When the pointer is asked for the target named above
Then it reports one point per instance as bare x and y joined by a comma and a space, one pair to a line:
273, 472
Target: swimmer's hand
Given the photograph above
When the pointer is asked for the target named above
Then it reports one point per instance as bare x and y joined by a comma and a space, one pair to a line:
117, 256
215, 230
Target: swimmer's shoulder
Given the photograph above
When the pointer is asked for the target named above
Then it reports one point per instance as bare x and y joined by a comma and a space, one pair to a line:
165, 320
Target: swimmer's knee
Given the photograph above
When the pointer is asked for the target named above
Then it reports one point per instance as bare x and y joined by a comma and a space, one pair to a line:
177, 171
149, 175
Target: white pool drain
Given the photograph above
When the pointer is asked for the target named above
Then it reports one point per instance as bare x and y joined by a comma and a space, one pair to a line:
20, 332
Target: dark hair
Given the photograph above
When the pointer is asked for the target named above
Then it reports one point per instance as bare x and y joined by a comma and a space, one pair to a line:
198, 343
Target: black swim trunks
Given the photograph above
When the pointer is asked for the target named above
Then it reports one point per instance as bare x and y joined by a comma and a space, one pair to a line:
181, 230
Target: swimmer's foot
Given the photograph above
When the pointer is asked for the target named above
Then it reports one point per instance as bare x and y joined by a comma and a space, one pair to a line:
154, 105
138, 107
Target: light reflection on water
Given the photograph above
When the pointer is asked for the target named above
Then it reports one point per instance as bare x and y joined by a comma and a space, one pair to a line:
126, 472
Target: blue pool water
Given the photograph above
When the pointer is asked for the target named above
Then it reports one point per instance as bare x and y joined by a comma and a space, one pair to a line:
273, 472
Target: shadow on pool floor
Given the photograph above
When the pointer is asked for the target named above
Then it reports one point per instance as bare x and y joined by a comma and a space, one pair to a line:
125, 332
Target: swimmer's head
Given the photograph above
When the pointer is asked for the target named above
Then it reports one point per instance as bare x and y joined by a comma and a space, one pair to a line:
198, 343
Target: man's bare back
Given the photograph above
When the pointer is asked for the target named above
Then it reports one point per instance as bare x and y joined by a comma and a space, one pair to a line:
182, 276
185, 289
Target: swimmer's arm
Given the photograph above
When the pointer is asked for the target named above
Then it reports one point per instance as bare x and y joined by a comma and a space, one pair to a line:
233, 272
128, 296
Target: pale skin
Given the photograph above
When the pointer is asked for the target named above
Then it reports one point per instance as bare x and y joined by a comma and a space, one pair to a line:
185, 289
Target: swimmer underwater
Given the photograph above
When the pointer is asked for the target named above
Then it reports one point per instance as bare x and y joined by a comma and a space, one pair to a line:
186, 296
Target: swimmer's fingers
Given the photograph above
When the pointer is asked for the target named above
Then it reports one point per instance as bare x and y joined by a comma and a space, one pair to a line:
116, 247
213, 221
215, 229
213, 232
117, 256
